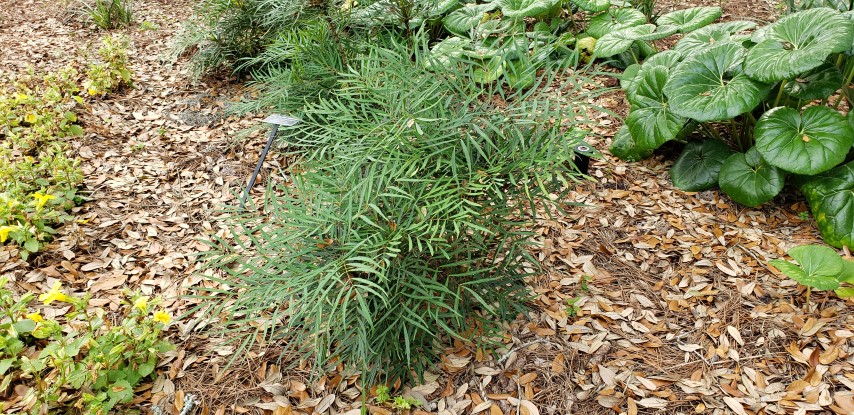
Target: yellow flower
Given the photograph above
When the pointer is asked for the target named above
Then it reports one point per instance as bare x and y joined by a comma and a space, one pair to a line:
4, 232
41, 199
141, 303
54, 295
162, 317
34, 317
92, 91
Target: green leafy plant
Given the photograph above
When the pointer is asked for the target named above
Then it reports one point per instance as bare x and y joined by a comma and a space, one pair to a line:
404, 403
623, 34
405, 225
572, 307
796, 5
146, 25
110, 14
37, 181
399, 403
383, 394
223, 33
647, 7
81, 363
766, 104
819, 267
112, 72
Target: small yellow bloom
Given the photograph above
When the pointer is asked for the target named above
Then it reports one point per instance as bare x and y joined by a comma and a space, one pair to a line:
162, 317
34, 317
54, 295
41, 199
4, 232
92, 91
141, 303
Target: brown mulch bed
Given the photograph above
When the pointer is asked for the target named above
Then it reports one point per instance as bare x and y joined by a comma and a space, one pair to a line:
675, 308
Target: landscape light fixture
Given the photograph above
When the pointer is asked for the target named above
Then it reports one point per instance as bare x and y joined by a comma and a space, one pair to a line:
276, 121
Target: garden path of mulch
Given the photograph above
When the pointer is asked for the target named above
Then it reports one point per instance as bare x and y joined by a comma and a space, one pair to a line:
676, 310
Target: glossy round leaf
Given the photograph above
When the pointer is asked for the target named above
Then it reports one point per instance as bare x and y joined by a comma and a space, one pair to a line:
850, 16
698, 166
818, 83
667, 58
443, 7
628, 79
614, 19
686, 20
653, 126
620, 40
517, 9
443, 53
831, 199
464, 19
706, 37
648, 87
847, 273
711, 85
818, 266
798, 43
750, 180
624, 146
808, 143
592, 6
844, 293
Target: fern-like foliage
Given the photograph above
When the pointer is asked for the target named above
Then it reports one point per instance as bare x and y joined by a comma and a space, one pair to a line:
407, 219
224, 32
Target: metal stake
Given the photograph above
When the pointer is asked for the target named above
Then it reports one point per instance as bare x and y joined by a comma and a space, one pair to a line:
276, 121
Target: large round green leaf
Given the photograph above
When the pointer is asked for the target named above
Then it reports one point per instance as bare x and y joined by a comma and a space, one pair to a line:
686, 20
818, 83
442, 7
819, 266
652, 123
624, 146
808, 143
592, 6
797, 43
463, 20
620, 40
628, 79
847, 274
444, 52
711, 85
667, 58
706, 37
614, 19
648, 87
750, 180
831, 199
850, 16
698, 166
517, 9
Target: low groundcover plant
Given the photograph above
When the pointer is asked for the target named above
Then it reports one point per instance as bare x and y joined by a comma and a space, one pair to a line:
80, 363
767, 103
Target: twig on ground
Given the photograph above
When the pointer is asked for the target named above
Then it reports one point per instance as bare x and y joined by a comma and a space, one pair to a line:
520, 347
721, 361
